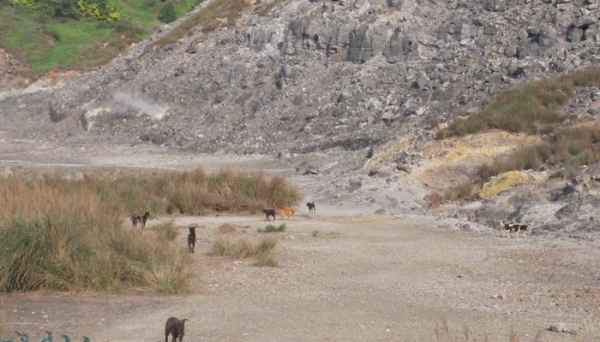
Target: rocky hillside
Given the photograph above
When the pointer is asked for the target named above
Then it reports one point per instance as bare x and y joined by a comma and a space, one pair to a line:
301, 76
312, 75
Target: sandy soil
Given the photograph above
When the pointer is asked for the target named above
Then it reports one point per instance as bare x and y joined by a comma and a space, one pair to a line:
344, 275
360, 278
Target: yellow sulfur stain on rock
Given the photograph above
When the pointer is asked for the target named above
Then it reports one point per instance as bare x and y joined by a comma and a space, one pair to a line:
483, 145
504, 181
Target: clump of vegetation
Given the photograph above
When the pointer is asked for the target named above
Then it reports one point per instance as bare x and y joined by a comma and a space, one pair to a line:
272, 229
219, 13
265, 7
266, 260
227, 228
193, 192
166, 231
167, 13
66, 236
244, 249
531, 108
78, 34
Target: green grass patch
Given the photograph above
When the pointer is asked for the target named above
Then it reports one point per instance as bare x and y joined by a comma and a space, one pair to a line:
47, 43
219, 13
569, 147
243, 248
531, 108
272, 229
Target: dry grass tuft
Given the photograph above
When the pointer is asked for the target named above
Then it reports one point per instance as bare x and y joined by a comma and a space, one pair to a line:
442, 332
218, 13
264, 7
272, 229
244, 249
166, 231
226, 228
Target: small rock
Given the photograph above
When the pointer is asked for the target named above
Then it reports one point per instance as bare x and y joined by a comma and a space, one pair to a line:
558, 327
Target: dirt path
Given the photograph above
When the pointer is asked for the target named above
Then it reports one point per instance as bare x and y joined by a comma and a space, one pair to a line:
360, 278
344, 275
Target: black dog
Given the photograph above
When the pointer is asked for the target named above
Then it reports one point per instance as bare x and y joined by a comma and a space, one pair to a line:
269, 212
135, 219
192, 239
514, 227
145, 218
175, 327
311, 207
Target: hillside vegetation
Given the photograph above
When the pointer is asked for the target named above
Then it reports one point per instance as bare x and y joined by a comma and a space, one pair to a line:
536, 108
80, 34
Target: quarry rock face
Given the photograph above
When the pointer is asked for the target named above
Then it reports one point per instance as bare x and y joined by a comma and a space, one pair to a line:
316, 76
312, 75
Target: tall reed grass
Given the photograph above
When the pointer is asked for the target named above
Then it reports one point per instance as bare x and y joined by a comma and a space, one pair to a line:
68, 235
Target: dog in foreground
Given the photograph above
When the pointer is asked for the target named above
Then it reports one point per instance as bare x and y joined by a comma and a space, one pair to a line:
192, 239
514, 227
176, 328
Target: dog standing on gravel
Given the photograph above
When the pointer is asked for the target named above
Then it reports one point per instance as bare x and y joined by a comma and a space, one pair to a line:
176, 328
192, 239
311, 207
269, 212
289, 212
514, 227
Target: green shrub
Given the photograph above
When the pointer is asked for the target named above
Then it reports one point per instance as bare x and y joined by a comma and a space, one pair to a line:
272, 229
167, 13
